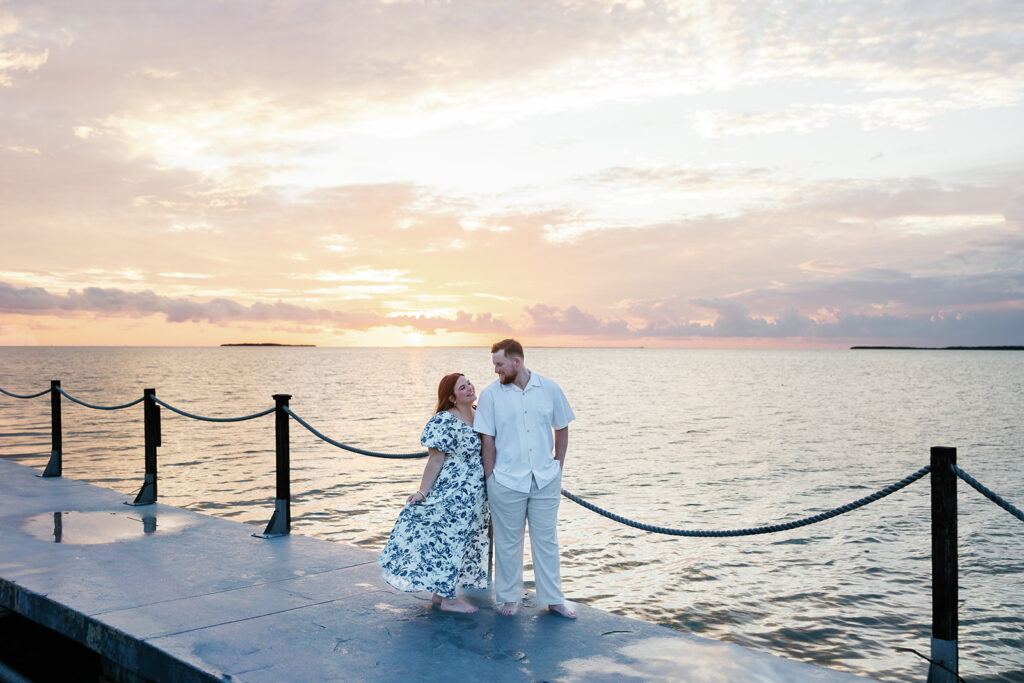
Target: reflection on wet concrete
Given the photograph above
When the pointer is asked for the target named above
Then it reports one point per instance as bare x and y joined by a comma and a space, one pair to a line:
672, 659
92, 528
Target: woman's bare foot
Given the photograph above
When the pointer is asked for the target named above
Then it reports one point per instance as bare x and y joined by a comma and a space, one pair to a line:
508, 609
562, 611
457, 605
435, 599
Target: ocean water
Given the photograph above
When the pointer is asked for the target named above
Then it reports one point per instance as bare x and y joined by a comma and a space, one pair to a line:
695, 439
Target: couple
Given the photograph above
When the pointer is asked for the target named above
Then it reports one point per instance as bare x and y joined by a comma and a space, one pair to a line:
513, 444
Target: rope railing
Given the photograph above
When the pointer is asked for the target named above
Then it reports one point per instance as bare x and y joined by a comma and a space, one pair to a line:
943, 469
44, 391
94, 407
773, 528
988, 493
353, 449
181, 412
785, 526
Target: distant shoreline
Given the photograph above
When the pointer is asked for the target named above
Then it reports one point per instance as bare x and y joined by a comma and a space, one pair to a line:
268, 344
943, 348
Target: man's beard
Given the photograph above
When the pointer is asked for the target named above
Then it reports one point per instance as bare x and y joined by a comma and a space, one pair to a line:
509, 378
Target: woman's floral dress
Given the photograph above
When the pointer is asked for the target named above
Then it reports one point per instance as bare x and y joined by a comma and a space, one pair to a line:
441, 543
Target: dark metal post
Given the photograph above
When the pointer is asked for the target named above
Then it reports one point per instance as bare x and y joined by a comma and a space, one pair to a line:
151, 425
945, 588
55, 466
281, 521
490, 551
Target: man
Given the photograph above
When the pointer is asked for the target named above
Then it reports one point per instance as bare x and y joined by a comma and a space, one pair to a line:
523, 422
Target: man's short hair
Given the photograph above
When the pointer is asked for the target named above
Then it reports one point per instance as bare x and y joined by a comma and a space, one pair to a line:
511, 347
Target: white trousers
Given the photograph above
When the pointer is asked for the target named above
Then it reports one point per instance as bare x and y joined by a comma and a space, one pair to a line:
510, 511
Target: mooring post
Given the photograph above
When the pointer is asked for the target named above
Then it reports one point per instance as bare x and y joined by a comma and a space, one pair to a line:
945, 588
151, 425
55, 466
281, 521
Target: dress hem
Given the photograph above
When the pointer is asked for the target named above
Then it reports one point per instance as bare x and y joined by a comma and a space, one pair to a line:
407, 586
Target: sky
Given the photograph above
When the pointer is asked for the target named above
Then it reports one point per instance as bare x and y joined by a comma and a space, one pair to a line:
721, 173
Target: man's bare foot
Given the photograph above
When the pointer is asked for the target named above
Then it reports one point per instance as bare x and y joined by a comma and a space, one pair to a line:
457, 605
562, 611
435, 599
508, 609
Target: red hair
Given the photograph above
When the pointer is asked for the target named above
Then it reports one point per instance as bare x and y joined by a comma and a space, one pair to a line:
445, 390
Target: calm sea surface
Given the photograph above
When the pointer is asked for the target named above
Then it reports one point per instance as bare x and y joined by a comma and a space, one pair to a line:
694, 439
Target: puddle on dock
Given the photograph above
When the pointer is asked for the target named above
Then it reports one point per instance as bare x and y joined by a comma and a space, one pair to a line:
691, 660
93, 528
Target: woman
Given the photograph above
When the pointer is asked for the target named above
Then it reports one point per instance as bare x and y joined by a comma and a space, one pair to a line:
440, 539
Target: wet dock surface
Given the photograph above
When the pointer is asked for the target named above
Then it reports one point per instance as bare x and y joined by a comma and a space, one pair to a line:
175, 595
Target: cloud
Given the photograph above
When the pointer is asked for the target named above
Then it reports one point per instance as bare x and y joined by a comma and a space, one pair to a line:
733, 321
573, 321
221, 311
15, 58
903, 113
729, 318
405, 156
107, 301
174, 89
463, 322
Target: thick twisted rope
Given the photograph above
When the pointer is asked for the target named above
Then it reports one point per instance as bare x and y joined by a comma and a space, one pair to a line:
756, 530
44, 391
268, 411
994, 497
89, 405
353, 449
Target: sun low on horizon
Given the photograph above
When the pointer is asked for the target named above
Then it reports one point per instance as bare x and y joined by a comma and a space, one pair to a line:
601, 173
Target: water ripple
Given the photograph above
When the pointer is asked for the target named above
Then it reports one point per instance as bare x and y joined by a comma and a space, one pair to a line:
735, 439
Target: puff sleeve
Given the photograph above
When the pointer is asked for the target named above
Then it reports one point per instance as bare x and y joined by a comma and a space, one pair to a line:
439, 433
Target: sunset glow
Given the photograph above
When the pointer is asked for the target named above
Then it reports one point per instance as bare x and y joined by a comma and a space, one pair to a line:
401, 173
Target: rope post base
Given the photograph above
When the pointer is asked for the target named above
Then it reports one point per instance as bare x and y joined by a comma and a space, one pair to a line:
147, 494
54, 467
278, 525
945, 662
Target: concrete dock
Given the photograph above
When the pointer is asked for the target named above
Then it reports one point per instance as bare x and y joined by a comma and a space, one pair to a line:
172, 595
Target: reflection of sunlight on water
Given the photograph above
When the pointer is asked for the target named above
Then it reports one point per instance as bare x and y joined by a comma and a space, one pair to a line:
687, 439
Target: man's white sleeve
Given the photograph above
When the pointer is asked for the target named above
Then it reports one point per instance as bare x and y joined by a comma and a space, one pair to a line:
483, 420
561, 413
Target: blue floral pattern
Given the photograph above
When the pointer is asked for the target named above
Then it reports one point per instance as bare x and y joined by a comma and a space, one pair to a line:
441, 543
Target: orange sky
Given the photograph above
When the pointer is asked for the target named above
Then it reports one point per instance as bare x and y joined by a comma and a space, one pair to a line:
571, 173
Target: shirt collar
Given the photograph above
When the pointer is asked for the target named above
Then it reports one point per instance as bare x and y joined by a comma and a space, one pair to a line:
534, 382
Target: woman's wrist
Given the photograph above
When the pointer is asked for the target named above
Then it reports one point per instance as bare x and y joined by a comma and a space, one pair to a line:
424, 496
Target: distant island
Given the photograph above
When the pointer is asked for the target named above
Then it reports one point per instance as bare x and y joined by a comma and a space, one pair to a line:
945, 348
267, 344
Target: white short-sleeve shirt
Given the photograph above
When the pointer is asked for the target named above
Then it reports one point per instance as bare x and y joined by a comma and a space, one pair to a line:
522, 423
